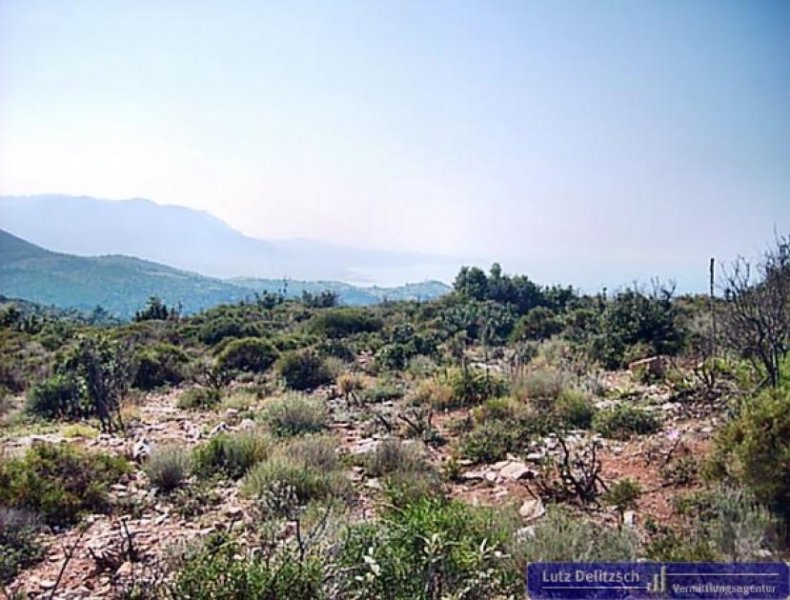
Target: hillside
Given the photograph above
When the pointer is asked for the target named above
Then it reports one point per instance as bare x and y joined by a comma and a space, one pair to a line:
120, 284
123, 284
192, 240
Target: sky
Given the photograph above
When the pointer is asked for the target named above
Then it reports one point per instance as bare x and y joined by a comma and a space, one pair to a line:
590, 143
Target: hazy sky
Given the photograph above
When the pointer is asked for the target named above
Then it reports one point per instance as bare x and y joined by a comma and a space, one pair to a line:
587, 142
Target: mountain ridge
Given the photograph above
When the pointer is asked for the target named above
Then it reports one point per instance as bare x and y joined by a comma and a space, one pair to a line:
122, 284
189, 239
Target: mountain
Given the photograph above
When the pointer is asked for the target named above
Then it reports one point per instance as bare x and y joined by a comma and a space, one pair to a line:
190, 239
120, 284
123, 284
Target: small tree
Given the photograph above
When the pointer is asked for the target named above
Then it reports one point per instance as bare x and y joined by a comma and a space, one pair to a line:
103, 373
757, 320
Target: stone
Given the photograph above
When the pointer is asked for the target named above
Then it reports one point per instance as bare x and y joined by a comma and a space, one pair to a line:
516, 470
234, 512
247, 424
231, 413
535, 456
532, 509
629, 518
141, 450
220, 427
125, 570
473, 475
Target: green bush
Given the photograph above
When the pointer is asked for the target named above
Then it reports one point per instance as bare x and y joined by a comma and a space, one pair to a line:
220, 570
343, 322
90, 381
247, 354
562, 537
490, 442
754, 450
720, 524
540, 387
167, 467
295, 414
18, 546
159, 365
199, 397
59, 482
295, 474
303, 370
473, 386
220, 328
574, 410
540, 323
431, 548
394, 455
58, 397
231, 455
623, 421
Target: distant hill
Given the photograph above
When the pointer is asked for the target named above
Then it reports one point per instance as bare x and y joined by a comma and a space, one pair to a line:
188, 239
123, 284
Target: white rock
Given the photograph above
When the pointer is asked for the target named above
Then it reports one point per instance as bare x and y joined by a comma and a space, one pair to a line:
516, 470
629, 518
141, 450
218, 428
532, 509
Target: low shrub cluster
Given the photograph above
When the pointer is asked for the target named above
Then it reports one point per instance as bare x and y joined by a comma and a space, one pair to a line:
296, 473
18, 546
199, 397
231, 455
167, 467
59, 482
159, 365
303, 370
295, 414
252, 354
623, 421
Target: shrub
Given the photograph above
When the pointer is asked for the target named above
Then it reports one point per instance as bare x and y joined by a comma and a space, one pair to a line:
303, 370
198, 397
159, 365
394, 455
468, 387
295, 414
489, 442
384, 392
574, 410
623, 421
167, 467
431, 548
403, 487
59, 482
18, 547
220, 570
102, 369
623, 495
231, 455
754, 450
562, 537
722, 524
294, 475
218, 329
348, 385
539, 323
247, 354
343, 322
541, 387
58, 397
498, 409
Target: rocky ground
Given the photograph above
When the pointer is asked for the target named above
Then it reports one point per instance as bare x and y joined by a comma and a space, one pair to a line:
91, 560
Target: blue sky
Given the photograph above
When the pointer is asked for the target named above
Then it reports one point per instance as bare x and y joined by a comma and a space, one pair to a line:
583, 142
